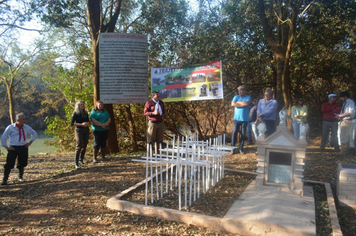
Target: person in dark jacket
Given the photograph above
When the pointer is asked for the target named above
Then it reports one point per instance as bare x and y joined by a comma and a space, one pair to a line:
80, 119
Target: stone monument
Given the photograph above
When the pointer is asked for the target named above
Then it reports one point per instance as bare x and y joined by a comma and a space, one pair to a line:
346, 184
281, 157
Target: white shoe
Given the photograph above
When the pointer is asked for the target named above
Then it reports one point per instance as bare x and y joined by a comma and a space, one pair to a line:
21, 180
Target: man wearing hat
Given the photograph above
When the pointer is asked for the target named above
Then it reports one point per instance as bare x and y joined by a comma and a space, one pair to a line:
330, 122
154, 110
345, 117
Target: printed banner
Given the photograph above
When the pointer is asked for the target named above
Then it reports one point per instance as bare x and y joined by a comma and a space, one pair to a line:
188, 83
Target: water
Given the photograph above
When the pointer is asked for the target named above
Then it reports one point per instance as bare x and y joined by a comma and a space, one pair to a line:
38, 145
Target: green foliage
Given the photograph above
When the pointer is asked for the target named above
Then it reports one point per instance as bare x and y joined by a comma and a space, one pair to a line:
321, 61
62, 140
13, 15
59, 13
167, 26
74, 85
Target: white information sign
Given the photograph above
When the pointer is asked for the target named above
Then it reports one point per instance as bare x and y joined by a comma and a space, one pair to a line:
123, 68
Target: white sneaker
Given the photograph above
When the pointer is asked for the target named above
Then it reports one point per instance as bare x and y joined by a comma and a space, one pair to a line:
21, 180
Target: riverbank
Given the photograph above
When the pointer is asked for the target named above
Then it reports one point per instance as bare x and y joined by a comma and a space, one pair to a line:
38, 146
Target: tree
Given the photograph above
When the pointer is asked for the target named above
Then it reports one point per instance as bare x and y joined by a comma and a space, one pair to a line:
13, 71
13, 16
65, 14
147, 17
99, 22
73, 85
323, 55
279, 24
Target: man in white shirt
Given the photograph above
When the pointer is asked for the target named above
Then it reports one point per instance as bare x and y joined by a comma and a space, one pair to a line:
346, 115
18, 148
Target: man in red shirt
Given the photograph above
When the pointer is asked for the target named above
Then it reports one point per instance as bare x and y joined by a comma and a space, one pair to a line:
154, 110
330, 122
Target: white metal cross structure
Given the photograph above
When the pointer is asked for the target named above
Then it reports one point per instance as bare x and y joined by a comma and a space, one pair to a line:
194, 163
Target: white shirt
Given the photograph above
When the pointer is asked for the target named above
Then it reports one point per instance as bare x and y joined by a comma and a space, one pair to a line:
348, 107
12, 133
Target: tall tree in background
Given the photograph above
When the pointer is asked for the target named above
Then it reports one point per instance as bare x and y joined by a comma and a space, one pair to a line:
147, 17
229, 31
279, 23
100, 22
14, 70
100, 19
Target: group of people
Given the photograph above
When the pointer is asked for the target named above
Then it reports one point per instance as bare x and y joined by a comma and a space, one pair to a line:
337, 118
100, 121
249, 114
14, 138
338, 122
247, 117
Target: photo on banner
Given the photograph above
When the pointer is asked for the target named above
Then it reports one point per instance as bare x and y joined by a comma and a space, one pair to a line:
188, 83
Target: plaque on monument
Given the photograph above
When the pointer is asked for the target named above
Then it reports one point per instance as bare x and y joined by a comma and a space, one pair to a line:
280, 167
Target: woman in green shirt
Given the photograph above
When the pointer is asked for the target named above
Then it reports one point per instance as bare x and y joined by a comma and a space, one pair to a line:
100, 119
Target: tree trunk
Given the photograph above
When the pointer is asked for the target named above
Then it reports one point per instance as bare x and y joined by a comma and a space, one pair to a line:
287, 91
11, 105
94, 21
281, 46
112, 146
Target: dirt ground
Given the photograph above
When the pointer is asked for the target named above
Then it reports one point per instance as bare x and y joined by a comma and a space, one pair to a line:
57, 199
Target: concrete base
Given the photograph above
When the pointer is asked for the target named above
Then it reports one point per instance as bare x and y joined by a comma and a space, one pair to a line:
279, 211
265, 210
346, 184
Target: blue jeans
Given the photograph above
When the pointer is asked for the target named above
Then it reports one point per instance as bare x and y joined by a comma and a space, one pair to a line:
251, 128
296, 128
235, 130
